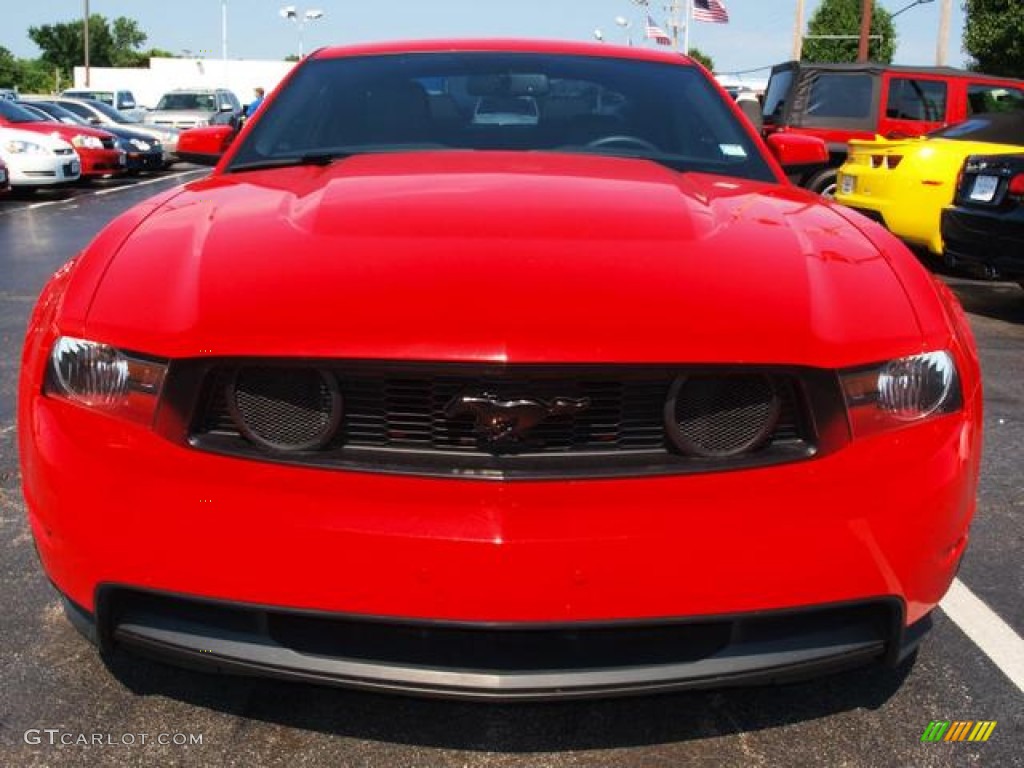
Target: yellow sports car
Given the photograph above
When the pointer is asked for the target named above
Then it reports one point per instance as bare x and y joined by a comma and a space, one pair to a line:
905, 183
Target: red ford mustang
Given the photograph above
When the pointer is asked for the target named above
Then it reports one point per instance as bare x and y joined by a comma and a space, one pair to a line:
591, 403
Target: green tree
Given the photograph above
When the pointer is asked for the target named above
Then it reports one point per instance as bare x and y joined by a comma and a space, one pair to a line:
842, 17
110, 44
27, 75
703, 58
994, 36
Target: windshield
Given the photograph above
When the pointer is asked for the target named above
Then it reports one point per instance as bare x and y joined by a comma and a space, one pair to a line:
205, 102
109, 111
776, 94
13, 113
58, 113
502, 101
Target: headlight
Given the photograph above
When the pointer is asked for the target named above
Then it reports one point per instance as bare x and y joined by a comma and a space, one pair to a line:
901, 391
25, 148
140, 144
87, 142
105, 378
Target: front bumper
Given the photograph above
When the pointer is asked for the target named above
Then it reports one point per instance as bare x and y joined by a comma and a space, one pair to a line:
145, 161
117, 509
507, 662
97, 163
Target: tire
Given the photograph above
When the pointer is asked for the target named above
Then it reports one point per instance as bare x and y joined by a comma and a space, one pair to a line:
824, 182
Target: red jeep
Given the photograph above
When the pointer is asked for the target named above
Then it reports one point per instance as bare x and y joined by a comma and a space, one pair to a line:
839, 102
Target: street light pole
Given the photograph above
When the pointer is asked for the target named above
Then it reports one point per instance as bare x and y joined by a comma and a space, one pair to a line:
85, 41
289, 12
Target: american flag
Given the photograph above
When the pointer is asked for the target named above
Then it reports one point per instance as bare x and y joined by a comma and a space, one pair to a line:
656, 33
710, 10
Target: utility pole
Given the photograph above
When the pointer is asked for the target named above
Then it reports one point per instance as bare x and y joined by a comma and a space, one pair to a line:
942, 47
798, 31
85, 41
866, 8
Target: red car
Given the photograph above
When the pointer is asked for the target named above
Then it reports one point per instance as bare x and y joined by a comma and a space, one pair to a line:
596, 404
95, 148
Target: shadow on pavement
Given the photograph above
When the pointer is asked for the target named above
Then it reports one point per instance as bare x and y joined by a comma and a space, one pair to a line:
999, 301
537, 727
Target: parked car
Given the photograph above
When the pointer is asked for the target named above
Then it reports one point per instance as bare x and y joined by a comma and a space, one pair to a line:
400, 402
984, 231
142, 152
105, 116
7, 93
840, 102
192, 108
37, 160
95, 148
905, 183
122, 100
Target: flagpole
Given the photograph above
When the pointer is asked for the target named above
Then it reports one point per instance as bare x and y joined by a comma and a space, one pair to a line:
686, 32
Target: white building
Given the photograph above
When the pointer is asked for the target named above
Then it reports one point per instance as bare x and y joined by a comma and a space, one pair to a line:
148, 84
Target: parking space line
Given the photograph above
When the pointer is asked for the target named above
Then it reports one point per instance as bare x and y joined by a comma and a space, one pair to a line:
991, 634
77, 198
154, 180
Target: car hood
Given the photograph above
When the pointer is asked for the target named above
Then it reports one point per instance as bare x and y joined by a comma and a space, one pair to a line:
47, 140
62, 130
519, 257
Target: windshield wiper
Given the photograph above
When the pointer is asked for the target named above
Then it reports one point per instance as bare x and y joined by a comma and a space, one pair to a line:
312, 158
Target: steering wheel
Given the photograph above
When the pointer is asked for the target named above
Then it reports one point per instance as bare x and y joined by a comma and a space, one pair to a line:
636, 141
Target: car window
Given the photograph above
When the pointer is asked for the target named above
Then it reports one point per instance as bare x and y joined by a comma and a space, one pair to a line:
916, 99
839, 95
666, 112
982, 99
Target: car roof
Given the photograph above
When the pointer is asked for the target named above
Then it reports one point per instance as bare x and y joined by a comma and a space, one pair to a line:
875, 67
502, 45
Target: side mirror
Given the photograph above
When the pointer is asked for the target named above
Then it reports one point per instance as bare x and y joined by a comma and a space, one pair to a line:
793, 150
204, 146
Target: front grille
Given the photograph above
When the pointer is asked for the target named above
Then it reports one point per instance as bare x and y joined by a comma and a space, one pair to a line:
533, 422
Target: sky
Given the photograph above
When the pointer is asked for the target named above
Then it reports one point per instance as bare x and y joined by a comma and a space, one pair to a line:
759, 34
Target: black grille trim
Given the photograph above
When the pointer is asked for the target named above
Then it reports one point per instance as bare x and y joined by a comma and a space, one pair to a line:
394, 419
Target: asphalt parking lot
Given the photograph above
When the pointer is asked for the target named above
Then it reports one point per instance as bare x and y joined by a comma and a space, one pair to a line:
55, 692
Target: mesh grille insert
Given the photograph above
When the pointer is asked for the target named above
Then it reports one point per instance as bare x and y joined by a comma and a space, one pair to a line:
285, 409
722, 415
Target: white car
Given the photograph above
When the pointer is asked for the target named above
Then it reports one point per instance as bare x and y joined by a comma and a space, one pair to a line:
38, 159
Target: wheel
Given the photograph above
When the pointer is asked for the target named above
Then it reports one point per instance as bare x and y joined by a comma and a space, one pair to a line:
636, 141
824, 182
